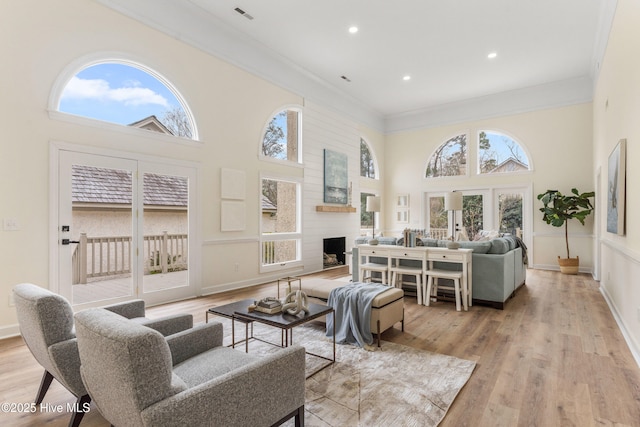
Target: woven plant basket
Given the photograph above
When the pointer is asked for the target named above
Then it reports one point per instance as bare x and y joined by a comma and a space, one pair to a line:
569, 265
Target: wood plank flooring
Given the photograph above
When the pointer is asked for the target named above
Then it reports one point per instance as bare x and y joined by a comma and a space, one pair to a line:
553, 357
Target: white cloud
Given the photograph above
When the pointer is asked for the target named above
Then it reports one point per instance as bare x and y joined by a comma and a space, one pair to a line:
100, 90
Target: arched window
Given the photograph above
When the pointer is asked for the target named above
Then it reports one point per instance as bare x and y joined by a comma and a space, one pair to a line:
498, 153
449, 159
367, 161
129, 94
281, 138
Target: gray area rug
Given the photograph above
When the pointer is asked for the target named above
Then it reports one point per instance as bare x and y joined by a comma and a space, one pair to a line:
392, 386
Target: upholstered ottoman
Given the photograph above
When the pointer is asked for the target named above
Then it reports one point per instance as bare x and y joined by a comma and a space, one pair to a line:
387, 308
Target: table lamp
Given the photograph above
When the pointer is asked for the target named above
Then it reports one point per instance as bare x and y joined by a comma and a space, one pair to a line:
453, 203
373, 205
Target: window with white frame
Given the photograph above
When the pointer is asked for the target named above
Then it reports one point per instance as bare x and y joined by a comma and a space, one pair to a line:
129, 94
449, 159
499, 153
280, 223
281, 138
367, 160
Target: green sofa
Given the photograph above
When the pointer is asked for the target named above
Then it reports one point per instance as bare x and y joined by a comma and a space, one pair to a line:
499, 266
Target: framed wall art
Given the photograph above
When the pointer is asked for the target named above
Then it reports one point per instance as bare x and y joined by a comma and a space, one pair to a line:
335, 178
616, 191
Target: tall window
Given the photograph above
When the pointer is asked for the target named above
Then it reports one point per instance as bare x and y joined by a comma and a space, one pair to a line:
498, 153
281, 139
449, 159
280, 223
128, 94
366, 218
367, 162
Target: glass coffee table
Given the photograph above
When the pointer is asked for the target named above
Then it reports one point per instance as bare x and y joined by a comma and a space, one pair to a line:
239, 311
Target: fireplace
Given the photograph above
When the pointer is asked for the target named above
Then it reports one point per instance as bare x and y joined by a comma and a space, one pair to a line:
333, 252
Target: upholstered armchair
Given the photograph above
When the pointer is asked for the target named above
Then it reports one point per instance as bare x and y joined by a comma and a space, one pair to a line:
136, 377
46, 325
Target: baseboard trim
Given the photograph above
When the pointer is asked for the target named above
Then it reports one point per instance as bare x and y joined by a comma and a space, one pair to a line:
9, 331
633, 347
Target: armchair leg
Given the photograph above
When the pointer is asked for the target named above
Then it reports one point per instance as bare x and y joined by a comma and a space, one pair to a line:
299, 420
79, 410
44, 386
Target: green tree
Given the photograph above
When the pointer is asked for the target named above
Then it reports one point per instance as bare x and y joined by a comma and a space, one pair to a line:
367, 168
472, 215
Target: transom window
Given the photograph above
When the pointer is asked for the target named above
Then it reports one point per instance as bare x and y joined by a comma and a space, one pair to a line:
449, 159
281, 139
128, 94
367, 161
498, 153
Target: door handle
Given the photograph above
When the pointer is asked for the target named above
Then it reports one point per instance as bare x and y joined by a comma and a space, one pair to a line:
67, 241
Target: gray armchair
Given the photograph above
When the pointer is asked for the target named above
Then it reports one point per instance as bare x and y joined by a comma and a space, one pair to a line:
46, 325
138, 378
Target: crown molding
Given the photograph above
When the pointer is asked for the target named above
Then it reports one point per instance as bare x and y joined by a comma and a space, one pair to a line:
551, 95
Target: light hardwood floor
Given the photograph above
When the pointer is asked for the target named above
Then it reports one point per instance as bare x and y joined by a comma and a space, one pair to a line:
553, 357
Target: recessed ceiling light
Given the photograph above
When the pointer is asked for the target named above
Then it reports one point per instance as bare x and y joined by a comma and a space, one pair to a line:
353, 29
492, 55
406, 78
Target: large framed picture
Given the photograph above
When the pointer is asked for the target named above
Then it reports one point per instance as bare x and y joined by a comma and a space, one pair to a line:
335, 178
616, 192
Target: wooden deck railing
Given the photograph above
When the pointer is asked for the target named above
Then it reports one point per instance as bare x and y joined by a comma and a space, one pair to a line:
111, 256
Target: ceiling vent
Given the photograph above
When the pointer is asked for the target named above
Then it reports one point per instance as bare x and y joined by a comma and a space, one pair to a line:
243, 13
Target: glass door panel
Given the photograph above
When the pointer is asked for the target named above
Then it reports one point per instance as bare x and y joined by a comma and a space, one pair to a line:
472, 215
510, 213
438, 218
165, 232
96, 260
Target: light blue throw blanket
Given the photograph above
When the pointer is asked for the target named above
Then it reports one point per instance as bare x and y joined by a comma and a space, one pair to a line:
352, 316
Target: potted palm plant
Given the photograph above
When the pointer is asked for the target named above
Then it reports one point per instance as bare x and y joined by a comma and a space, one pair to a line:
558, 209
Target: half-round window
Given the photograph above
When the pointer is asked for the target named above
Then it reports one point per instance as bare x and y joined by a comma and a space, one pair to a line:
281, 138
499, 153
128, 94
367, 161
449, 159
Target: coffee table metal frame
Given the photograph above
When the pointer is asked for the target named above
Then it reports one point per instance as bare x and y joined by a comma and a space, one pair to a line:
286, 322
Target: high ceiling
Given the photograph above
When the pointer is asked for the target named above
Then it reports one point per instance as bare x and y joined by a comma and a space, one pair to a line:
443, 45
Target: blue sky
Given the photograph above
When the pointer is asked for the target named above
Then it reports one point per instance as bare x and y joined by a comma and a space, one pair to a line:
116, 93
498, 145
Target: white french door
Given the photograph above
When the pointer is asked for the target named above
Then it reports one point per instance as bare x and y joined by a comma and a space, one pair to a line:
501, 209
123, 229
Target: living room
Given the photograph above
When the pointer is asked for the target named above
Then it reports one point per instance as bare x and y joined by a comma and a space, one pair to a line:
568, 128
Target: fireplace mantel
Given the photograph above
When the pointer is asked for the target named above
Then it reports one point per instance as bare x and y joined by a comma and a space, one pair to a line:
342, 209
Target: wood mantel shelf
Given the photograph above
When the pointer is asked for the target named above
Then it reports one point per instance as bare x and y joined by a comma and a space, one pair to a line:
342, 209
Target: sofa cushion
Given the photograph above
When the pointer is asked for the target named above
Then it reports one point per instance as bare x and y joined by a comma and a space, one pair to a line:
477, 247
512, 242
430, 242
499, 246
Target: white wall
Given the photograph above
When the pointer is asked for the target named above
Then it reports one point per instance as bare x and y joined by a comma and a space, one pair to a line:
231, 108
558, 143
616, 109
